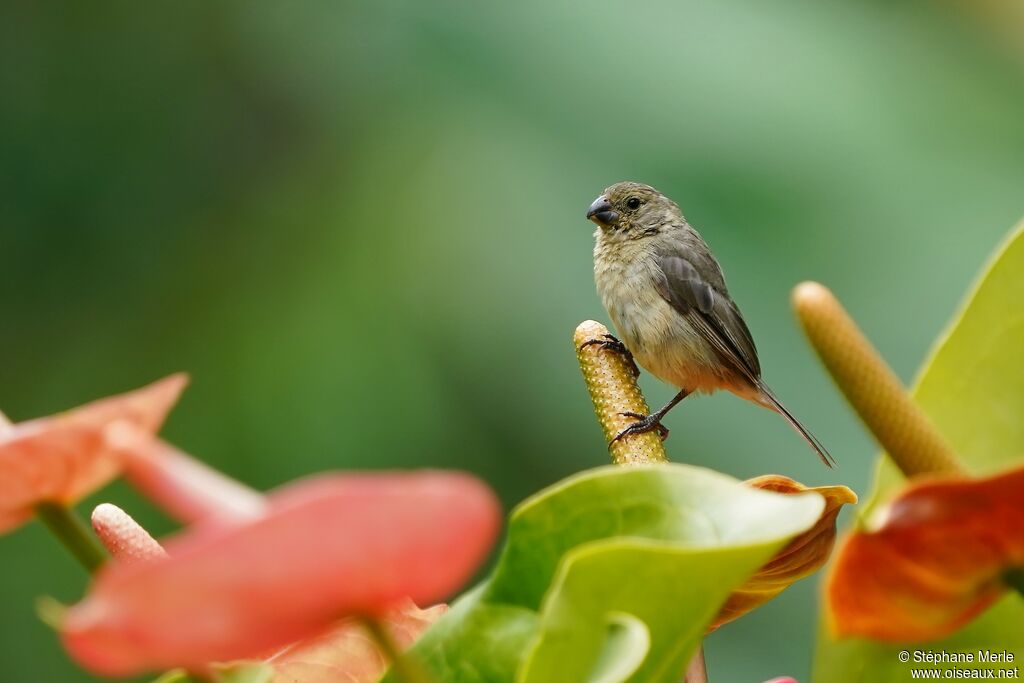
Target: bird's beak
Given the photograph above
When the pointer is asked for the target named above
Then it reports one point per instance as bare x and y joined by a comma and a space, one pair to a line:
601, 212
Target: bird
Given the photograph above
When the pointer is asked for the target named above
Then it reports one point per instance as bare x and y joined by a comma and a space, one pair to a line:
667, 298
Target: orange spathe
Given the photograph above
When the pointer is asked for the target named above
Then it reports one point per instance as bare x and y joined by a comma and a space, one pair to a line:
935, 559
325, 547
64, 457
801, 557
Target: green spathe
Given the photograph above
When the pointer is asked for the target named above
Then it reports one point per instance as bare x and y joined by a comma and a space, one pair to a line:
612, 575
972, 387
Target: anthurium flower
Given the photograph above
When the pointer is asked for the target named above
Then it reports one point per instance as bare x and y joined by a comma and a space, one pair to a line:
64, 457
801, 557
346, 653
239, 588
934, 558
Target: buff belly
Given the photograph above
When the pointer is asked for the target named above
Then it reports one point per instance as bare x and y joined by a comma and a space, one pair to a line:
665, 344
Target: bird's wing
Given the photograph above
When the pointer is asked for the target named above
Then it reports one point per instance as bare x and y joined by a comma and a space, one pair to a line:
706, 305
709, 309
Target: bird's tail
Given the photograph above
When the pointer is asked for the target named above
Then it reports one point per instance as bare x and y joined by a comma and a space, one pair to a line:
770, 401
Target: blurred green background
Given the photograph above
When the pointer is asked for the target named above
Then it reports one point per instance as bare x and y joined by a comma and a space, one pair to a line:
359, 226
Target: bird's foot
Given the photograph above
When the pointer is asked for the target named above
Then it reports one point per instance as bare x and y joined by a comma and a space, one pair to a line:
643, 424
611, 343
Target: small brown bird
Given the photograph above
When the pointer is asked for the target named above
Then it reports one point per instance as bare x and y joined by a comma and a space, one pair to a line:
667, 297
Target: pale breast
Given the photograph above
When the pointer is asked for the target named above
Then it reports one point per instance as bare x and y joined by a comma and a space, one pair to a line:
661, 340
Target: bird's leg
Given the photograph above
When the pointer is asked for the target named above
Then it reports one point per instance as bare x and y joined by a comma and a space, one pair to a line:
646, 423
610, 342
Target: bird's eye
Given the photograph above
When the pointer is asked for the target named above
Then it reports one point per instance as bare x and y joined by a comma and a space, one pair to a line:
633, 203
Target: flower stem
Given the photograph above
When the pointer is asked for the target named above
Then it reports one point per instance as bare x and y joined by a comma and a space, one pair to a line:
611, 381
73, 533
872, 388
406, 669
697, 672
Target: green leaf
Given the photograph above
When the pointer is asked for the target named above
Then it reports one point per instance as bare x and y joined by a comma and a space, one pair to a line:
236, 672
612, 575
176, 676
476, 640
243, 672
625, 647
972, 386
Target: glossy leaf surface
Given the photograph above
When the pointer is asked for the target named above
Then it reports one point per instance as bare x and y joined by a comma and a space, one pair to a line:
613, 575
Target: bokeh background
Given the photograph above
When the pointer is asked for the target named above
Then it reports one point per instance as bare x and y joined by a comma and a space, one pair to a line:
359, 226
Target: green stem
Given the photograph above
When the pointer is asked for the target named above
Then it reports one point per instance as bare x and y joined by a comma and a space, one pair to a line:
73, 533
405, 668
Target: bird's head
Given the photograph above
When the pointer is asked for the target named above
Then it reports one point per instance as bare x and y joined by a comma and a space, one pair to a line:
633, 210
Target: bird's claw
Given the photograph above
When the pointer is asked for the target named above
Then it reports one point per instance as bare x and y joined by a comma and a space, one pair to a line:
643, 424
612, 343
